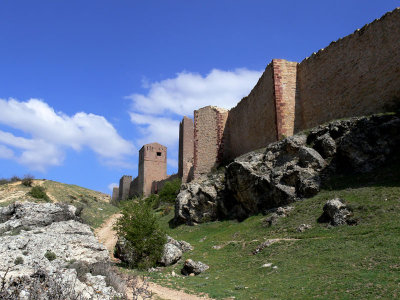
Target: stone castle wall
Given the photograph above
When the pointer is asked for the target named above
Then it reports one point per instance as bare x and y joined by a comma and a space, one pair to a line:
356, 75
209, 126
115, 195
251, 123
158, 185
186, 147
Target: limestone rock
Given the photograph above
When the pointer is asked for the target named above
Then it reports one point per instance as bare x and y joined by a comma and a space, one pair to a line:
303, 227
171, 255
197, 202
45, 239
336, 211
172, 251
288, 170
193, 267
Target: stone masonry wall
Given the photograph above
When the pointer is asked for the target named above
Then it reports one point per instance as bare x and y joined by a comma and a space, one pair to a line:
251, 123
115, 195
124, 186
158, 185
134, 188
186, 148
286, 96
356, 75
209, 126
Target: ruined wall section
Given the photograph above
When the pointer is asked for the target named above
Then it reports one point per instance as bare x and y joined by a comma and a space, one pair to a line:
186, 148
209, 143
124, 186
252, 122
286, 96
356, 75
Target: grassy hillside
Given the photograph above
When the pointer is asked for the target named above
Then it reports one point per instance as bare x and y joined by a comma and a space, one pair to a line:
95, 205
345, 262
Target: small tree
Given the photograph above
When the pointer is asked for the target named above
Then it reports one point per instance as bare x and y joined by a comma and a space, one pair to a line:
39, 192
139, 226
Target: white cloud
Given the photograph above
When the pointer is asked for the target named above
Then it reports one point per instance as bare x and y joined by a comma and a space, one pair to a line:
52, 132
112, 185
158, 113
189, 91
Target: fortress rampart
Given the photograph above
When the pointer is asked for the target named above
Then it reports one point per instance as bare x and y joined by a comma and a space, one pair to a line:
356, 75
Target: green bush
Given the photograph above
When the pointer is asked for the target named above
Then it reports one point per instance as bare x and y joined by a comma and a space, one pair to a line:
170, 190
153, 200
50, 255
27, 180
139, 226
39, 192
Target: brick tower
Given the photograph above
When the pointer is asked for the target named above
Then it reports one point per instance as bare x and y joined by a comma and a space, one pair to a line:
152, 166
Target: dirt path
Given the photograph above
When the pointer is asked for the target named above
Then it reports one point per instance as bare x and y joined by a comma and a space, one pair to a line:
107, 236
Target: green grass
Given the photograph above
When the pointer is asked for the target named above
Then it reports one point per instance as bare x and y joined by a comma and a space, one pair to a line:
346, 262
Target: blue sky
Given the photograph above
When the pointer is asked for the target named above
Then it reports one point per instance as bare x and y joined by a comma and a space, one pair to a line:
83, 84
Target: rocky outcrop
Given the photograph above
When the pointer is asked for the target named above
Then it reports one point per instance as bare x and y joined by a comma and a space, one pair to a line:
290, 169
336, 212
172, 252
47, 239
200, 201
193, 267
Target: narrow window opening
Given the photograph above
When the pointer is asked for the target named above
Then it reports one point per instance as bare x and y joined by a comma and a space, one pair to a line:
158, 153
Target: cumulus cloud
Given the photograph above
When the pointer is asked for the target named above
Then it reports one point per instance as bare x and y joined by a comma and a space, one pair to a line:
157, 113
112, 185
50, 133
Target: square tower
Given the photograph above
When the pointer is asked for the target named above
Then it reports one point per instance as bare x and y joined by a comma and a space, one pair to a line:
152, 166
124, 186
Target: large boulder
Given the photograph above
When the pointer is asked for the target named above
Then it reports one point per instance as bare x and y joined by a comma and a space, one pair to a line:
291, 169
172, 251
198, 201
46, 238
336, 212
286, 171
193, 267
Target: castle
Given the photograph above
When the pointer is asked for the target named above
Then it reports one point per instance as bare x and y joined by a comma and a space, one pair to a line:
356, 75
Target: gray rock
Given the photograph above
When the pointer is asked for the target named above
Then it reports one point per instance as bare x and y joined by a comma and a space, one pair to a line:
326, 145
171, 255
288, 170
336, 211
193, 267
172, 251
31, 230
303, 227
197, 202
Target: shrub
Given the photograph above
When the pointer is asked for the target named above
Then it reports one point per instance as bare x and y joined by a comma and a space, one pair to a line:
19, 260
27, 180
153, 200
170, 190
139, 226
50, 255
39, 192
15, 179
